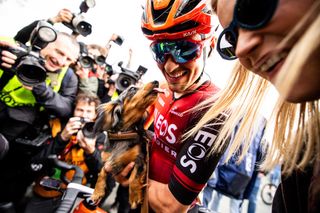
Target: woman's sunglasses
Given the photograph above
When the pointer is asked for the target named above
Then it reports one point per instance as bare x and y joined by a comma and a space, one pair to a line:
182, 51
248, 14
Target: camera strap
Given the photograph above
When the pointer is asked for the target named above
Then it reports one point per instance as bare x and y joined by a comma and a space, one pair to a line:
5, 77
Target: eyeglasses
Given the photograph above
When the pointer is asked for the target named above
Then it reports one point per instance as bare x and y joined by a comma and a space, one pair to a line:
248, 14
182, 51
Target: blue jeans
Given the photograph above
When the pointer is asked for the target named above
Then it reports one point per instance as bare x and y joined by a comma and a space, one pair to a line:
253, 196
207, 195
211, 200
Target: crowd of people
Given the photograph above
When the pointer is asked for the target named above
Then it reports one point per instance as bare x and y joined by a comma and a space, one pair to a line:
202, 133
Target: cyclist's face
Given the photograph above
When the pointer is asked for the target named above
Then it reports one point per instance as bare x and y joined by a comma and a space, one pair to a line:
181, 77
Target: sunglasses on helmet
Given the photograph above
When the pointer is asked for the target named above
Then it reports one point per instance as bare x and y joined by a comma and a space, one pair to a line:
182, 51
249, 15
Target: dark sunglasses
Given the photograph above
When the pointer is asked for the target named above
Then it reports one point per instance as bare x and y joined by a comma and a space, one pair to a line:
182, 51
249, 15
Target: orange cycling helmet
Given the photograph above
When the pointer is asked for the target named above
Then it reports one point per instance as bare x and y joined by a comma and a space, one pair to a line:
175, 19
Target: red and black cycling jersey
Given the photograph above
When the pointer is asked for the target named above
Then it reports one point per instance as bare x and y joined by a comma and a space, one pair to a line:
185, 165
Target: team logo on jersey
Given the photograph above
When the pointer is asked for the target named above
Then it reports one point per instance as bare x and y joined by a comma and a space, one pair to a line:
196, 152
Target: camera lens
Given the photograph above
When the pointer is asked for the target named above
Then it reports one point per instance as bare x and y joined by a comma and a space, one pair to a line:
88, 130
47, 34
124, 81
30, 72
109, 69
84, 28
86, 62
100, 60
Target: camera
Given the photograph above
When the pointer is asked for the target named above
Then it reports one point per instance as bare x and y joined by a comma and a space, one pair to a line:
78, 25
109, 69
88, 62
29, 66
128, 77
87, 128
118, 40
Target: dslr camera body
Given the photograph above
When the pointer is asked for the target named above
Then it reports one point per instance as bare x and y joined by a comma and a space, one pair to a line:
78, 25
29, 65
87, 128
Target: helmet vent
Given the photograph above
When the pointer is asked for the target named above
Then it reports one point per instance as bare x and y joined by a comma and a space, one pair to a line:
186, 7
160, 16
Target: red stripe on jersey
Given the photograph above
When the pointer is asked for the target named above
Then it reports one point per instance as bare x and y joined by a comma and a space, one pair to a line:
186, 181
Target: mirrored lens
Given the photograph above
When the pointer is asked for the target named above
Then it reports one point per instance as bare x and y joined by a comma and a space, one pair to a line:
187, 52
182, 51
253, 14
157, 53
226, 45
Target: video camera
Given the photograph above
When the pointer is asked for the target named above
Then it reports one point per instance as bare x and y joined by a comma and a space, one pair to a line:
78, 25
29, 66
128, 77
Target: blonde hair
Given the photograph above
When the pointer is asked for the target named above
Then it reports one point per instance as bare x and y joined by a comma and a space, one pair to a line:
296, 138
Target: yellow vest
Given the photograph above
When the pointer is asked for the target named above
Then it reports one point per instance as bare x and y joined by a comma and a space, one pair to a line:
13, 94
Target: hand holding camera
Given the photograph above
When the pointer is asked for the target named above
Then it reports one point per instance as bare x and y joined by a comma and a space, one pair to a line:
87, 144
77, 23
64, 15
25, 61
8, 59
72, 127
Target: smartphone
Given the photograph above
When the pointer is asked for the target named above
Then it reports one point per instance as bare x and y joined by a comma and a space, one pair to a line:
50, 183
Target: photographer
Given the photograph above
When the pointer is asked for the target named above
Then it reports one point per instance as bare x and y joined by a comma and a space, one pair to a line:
107, 89
91, 67
73, 146
23, 35
25, 108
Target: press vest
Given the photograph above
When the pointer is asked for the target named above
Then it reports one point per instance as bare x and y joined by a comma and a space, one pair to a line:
13, 94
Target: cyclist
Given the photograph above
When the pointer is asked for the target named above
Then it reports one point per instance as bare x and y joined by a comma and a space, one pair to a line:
181, 35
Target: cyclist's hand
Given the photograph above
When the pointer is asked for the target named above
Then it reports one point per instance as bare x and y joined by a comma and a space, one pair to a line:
121, 177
